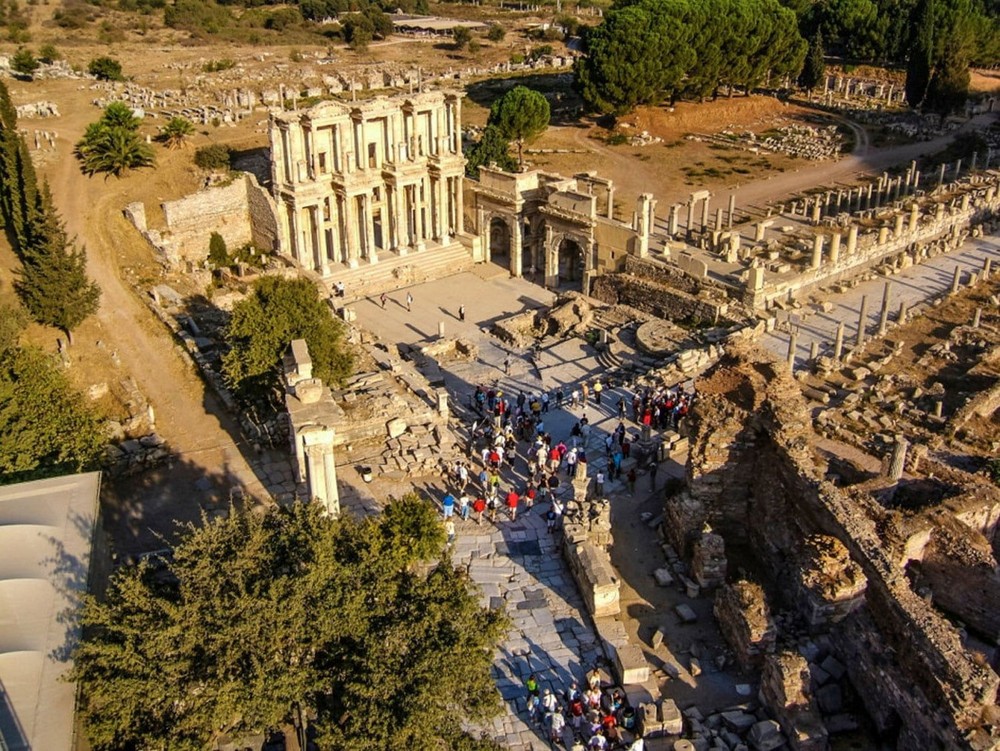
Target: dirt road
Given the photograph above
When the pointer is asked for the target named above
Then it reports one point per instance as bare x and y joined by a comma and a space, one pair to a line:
199, 432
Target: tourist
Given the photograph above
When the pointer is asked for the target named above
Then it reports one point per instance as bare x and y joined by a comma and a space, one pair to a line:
553, 515
621, 408
550, 703
576, 711
574, 397
599, 484
529, 495
409, 302
638, 744
573, 692
652, 475
512, 500
449, 528
631, 480
448, 505
461, 312
479, 505
598, 741
383, 299
594, 680
339, 289
506, 365
584, 392
493, 503
463, 507
556, 724
598, 388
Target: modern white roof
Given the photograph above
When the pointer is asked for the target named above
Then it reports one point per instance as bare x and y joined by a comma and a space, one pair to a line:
46, 529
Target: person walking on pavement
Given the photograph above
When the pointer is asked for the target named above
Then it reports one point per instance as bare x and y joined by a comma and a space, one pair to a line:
506, 365
512, 500
652, 475
383, 299
409, 302
461, 312
599, 484
479, 505
598, 388
585, 391
448, 505
449, 529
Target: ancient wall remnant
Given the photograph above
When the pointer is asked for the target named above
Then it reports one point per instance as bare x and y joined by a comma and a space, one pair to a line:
752, 476
745, 621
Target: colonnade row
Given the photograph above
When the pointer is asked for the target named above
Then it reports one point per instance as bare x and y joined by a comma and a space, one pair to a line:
334, 139
349, 227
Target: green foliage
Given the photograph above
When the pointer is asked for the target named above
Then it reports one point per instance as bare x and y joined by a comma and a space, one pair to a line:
943, 43
176, 131
648, 50
24, 62
48, 54
815, 66
283, 18
358, 31
216, 66
462, 36
105, 69
218, 253
520, 115
289, 610
13, 319
214, 157
53, 283
496, 32
492, 149
46, 428
197, 15
264, 324
112, 145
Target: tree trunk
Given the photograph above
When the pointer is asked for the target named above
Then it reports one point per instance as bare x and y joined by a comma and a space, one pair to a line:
69, 337
520, 154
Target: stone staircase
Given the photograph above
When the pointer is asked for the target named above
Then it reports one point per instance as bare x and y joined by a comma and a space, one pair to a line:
393, 271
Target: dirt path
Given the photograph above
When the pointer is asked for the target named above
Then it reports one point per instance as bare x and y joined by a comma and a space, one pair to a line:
197, 429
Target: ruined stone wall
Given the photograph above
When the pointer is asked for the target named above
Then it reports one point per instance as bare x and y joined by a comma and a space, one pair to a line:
614, 243
961, 571
661, 273
656, 299
904, 658
191, 220
263, 217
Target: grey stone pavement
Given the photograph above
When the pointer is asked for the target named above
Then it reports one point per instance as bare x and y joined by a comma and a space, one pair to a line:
913, 285
517, 563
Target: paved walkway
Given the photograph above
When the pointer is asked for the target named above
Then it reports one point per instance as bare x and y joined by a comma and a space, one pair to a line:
913, 285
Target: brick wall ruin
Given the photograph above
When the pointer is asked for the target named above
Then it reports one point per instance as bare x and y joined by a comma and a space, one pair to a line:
833, 560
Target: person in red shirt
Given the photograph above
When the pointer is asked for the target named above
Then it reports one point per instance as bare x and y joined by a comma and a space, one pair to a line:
529, 495
512, 500
479, 505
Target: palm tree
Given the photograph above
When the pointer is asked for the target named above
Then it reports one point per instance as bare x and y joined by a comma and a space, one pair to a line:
119, 115
176, 131
113, 150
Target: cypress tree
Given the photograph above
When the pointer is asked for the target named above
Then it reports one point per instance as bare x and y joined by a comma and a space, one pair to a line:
918, 66
53, 283
815, 67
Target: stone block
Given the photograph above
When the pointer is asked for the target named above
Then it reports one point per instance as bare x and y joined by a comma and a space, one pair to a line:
663, 577
738, 721
657, 638
686, 613
396, 427
670, 716
630, 663
766, 736
833, 666
830, 699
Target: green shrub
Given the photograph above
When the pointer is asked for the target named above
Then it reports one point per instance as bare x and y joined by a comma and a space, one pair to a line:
214, 157
105, 69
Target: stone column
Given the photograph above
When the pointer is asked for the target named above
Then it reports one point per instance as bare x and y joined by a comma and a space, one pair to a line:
816, 211
862, 318
977, 317
441, 226
958, 168
884, 315
914, 216
672, 225
916, 180
897, 231
987, 268
704, 214
838, 345
901, 315
834, 248
883, 235
718, 218
459, 205
941, 175
817, 254
793, 340
956, 279
353, 223
690, 221
732, 210
852, 239
516, 254
643, 217
898, 458
611, 202
369, 226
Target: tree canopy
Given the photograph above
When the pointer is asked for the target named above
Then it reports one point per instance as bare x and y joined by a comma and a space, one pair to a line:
46, 427
492, 148
520, 115
941, 50
112, 144
262, 326
105, 68
648, 50
266, 615
52, 282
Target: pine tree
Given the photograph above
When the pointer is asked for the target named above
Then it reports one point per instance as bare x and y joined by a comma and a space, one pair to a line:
53, 283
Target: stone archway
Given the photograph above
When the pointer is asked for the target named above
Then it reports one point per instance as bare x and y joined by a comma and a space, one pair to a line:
569, 263
500, 242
